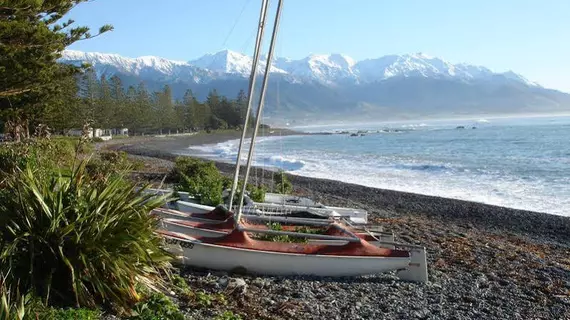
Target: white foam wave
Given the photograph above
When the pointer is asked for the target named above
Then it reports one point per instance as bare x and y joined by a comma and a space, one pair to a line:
280, 162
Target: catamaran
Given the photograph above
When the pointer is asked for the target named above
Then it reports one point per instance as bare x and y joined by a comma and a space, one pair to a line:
346, 253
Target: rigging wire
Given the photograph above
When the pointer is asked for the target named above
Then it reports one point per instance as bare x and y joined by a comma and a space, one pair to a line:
253, 77
259, 110
229, 33
236, 22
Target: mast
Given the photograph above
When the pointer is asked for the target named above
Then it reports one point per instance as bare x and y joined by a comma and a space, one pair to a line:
258, 42
259, 110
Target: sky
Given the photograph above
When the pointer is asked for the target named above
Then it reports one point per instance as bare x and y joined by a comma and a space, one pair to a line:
529, 37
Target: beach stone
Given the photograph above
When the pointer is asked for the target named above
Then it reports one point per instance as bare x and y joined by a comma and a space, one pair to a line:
237, 285
490, 283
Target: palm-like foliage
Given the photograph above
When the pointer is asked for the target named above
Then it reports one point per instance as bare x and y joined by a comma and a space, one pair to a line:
79, 241
12, 304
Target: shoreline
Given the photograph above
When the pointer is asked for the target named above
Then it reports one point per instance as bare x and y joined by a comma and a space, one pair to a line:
484, 261
389, 202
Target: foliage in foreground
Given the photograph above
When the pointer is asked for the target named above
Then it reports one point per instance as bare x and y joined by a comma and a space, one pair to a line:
69, 314
12, 303
71, 240
156, 307
44, 155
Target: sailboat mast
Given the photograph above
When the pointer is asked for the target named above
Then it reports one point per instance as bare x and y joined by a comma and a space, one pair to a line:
256, 56
259, 109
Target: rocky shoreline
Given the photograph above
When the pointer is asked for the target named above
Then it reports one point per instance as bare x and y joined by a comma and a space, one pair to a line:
485, 262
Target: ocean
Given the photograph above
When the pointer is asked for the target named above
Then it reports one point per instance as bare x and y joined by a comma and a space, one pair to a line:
521, 163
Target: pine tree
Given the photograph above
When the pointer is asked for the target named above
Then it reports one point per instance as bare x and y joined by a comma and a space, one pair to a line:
143, 109
190, 103
104, 109
89, 92
165, 108
31, 41
241, 106
117, 112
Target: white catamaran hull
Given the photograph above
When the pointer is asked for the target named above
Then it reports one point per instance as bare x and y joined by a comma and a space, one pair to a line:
204, 255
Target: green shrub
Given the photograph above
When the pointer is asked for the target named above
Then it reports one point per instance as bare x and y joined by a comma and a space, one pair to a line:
69, 314
181, 288
257, 194
108, 163
42, 154
279, 238
156, 307
282, 183
73, 241
203, 299
201, 179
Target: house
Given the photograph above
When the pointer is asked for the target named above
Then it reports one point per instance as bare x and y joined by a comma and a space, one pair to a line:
104, 134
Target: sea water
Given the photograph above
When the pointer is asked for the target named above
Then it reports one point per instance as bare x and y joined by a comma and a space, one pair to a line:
521, 163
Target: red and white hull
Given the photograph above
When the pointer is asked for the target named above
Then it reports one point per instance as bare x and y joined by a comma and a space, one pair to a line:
290, 259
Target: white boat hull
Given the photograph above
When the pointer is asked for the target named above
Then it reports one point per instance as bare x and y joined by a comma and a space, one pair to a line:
211, 256
190, 207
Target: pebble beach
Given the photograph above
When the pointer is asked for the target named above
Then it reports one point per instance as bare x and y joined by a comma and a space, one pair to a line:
484, 261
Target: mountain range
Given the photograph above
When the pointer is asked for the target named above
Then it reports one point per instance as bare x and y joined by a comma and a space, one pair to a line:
328, 87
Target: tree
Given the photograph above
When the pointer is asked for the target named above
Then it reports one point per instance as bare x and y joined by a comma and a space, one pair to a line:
31, 41
241, 106
190, 103
104, 109
165, 109
143, 110
118, 106
89, 92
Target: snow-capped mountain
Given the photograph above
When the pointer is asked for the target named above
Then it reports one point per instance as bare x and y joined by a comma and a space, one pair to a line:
336, 86
421, 65
146, 67
325, 69
230, 62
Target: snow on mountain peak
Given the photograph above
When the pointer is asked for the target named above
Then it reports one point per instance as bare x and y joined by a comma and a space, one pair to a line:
326, 69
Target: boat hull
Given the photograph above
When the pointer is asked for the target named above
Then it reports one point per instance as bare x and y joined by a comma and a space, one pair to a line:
211, 256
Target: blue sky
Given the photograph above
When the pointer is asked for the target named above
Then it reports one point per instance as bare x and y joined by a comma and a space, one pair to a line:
527, 36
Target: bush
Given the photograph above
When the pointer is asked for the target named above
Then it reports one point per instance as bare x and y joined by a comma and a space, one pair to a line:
157, 307
256, 194
108, 163
282, 183
201, 179
71, 241
280, 238
42, 154
69, 314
